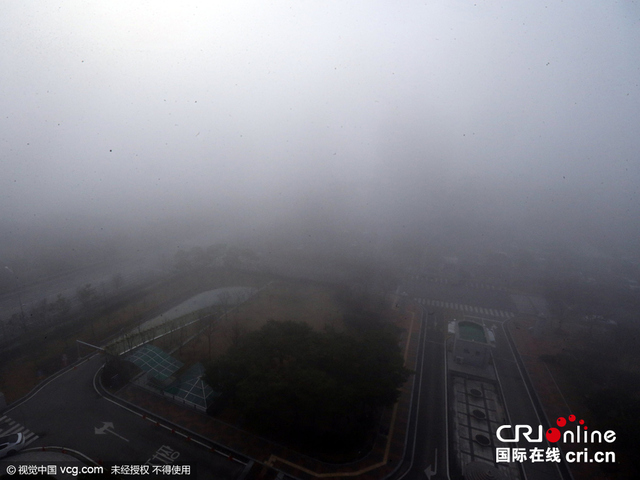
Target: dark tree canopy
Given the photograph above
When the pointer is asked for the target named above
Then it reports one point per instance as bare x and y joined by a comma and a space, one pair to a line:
288, 377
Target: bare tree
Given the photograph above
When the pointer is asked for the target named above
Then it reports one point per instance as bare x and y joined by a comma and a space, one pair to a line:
87, 296
117, 281
225, 302
39, 311
236, 330
209, 320
59, 309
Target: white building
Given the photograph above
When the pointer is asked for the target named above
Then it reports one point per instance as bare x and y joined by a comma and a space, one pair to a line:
472, 343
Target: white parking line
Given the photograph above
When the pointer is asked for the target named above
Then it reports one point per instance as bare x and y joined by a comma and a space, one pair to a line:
466, 308
10, 427
13, 429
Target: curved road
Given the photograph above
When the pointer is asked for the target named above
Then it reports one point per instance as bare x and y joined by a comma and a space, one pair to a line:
69, 412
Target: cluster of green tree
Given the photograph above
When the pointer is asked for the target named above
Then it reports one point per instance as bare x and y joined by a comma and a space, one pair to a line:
87, 295
47, 313
219, 254
39, 314
316, 387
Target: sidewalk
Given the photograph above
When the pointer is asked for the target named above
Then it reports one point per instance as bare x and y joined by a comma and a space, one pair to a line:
384, 457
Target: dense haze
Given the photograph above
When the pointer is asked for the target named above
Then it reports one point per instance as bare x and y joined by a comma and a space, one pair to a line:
168, 117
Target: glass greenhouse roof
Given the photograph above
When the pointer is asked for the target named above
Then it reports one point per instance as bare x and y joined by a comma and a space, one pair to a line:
192, 388
154, 360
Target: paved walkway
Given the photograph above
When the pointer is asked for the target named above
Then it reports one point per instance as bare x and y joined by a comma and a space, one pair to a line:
384, 457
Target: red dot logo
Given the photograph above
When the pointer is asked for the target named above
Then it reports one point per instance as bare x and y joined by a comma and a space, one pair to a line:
572, 418
553, 435
561, 421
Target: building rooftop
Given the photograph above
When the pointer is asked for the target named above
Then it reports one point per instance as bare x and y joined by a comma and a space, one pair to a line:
155, 361
192, 389
478, 411
472, 331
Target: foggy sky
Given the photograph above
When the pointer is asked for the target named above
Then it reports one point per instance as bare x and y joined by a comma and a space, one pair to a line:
144, 110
